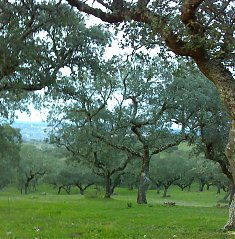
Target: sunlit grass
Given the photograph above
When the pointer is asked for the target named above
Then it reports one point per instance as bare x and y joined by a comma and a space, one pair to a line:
73, 216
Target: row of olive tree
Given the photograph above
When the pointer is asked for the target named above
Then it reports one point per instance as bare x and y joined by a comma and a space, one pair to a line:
133, 110
195, 29
176, 166
198, 29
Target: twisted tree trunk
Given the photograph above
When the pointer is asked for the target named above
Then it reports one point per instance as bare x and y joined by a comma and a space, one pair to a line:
230, 153
165, 191
144, 182
143, 188
108, 186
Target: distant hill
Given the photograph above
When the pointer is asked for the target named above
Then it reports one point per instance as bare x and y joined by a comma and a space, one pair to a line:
32, 130
38, 130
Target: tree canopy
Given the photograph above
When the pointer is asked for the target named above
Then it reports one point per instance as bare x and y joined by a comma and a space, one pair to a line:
99, 103
197, 29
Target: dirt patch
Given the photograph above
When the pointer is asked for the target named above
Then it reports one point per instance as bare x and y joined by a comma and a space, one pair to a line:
76, 235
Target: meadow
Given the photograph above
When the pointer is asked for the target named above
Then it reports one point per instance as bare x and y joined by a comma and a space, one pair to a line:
45, 215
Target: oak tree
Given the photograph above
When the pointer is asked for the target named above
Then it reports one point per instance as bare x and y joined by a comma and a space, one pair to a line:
195, 29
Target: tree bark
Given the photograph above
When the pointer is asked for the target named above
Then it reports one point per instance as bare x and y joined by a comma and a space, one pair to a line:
165, 191
26, 187
144, 182
232, 193
201, 185
208, 186
230, 153
81, 191
143, 187
230, 225
108, 188
83, 188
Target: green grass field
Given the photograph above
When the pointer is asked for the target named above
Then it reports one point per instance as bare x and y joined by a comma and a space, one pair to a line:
73, 216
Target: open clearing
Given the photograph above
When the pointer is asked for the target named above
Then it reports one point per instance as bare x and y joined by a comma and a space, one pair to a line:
48, 215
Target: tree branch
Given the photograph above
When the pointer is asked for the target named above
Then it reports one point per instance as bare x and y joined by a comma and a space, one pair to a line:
121, 168
104, 4
135, 130
107, 17
97, 163
161, 149
117, 146
188, 15
156, 22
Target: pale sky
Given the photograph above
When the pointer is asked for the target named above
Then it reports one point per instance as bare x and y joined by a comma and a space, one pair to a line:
35, 115
38, 116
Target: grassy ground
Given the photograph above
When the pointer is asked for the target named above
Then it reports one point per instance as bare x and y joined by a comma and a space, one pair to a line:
39, 215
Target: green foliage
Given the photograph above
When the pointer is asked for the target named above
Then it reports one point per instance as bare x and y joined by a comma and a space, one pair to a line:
180, 167
10, 140
34, 163
65, 174
206, 31
131, 177
132, 110
32, 158
38, 40
10, 143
